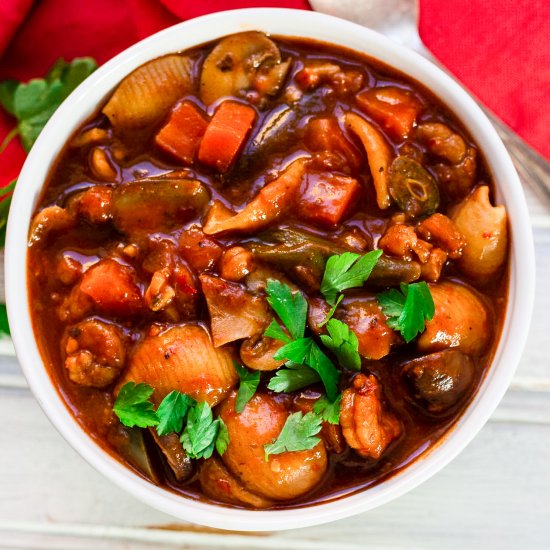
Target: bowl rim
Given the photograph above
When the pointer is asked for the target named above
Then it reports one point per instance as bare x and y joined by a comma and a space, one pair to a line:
292, 23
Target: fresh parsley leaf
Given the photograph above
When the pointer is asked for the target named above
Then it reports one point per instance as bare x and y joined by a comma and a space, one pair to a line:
409, 309
200, 433
329, 411
306, 352
295, 351
294, 377
33, 103
291, 308
328, 373
343, 343
298, 434
247, 387
5, 208
347, 270
4, 325
275, 331
132, 406
222, 441
172, 412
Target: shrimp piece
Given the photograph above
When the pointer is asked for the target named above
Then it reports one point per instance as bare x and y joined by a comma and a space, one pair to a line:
53, 219
367, 427
94, 353
267, 206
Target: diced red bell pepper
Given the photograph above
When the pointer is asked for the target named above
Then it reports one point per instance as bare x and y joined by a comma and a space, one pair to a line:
226, 134
112, 288
199, 250
393, 108
324, 134
182, 134
328, 198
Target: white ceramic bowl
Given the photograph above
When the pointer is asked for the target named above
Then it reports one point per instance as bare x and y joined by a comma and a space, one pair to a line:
85, 100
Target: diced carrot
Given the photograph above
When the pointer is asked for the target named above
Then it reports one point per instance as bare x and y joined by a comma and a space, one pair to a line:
199, 250
327, 199
393, 108
112, 288
226, 134
324, 134
181, 135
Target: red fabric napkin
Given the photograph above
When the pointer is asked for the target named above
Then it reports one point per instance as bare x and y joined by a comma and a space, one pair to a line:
499, 50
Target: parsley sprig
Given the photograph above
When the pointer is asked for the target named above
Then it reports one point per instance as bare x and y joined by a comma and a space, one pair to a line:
201, 434
343, 342
292, 310
298, 434
347, 270
247, 387
408, 309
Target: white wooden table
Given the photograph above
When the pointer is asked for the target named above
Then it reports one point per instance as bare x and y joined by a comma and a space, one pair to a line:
496, 494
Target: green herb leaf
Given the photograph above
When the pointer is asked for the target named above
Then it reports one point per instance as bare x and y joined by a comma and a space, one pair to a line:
275, 331
5, 209
347, 270
35, 102
329, 411
343, 343
4, 325
293, 378
306, 352
298, 434
133, 407
291, 308
408, 310
247, 387
199, 437
172, 412
222, 441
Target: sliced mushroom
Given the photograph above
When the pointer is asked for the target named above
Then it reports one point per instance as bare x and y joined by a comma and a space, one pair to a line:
485, 229
268, 205
257, 353
146, 95
180, 464
379, 155
240, 63
438, 381
234, 312
52, 219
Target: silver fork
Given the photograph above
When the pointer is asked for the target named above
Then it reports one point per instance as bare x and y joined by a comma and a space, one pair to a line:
398, 20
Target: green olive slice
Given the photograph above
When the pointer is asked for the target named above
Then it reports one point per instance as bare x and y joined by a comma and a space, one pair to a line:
412, 187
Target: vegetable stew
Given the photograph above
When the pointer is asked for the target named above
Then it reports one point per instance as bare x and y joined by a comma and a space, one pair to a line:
268, 272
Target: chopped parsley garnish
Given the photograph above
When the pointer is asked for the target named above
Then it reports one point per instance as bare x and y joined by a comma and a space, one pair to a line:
408, 309
298, 434
342, 341
133, 407
172, 412
293, 377
329, 411
202, 433
247, 387
291, 308
347, 270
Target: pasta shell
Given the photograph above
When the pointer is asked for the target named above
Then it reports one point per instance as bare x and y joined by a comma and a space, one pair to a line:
146, 95
183, 358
